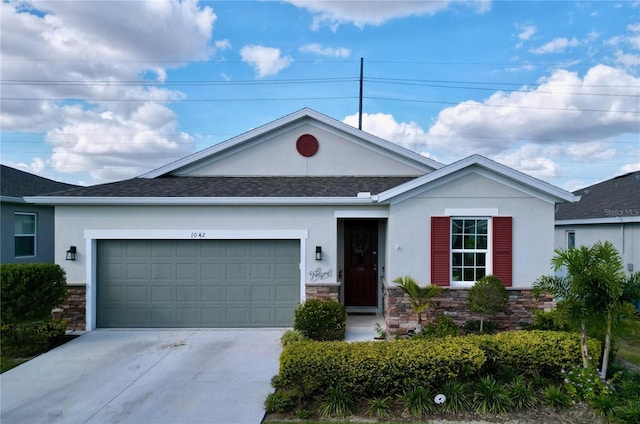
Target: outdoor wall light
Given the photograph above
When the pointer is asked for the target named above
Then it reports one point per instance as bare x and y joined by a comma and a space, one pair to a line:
71, 253
318, 253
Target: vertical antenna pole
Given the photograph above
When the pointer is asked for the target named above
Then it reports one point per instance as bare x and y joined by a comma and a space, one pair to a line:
361, 77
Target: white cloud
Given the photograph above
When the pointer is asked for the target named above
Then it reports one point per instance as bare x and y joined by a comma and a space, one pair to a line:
409, 135
85, 42
223, 44
118, 146
563, 108
526, 31
360, 13
318, 49
630, 167
265, 61
556, 46
531, 159
591, 151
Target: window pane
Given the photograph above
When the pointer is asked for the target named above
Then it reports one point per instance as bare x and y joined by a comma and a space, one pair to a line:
480, 259
480, 272
468, 259
456, 226
482, 242
25, 246
469, 226
469, 242
25, 224
469, 275
457, 259
456, 241
571, 240
457, 274
482, 226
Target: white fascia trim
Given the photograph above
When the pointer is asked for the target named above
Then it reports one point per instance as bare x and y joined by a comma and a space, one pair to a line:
590, 221
191, 201
375, 213
493, 169
196, 233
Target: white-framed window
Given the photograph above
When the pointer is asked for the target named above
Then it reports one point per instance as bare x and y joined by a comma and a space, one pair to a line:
25, 226
470, 249
571, 239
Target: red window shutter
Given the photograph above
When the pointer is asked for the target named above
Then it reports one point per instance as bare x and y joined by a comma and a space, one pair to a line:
502, 249
440, 250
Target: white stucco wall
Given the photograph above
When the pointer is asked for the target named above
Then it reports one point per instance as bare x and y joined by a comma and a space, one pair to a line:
277, 155
319, 221
409, 227
625, 237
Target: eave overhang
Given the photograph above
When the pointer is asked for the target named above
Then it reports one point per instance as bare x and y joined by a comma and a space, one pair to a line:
200, 201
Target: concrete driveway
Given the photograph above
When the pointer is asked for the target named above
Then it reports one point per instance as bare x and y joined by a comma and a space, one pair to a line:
146, 376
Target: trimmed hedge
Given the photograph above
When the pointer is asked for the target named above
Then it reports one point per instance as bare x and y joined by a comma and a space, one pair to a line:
371, 369
526, 352
377, 369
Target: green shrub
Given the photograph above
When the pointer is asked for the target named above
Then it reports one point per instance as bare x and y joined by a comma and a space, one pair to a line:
490, 397
547, 320
458, 396
30, 292
321, 319
24, 340
280, 401
444, 326
379, 407
291, 336
373, 369
521, 393
585, 383
556, 398
487, 296
546, 352
418, 402
336, 402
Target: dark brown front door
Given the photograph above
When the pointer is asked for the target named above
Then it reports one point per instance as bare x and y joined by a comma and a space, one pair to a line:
361, 263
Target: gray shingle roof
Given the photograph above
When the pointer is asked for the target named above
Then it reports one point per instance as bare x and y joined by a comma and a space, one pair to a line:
619, 196
16, 183
239, 187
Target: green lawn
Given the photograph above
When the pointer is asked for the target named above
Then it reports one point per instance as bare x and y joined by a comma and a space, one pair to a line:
629, 348
7, 363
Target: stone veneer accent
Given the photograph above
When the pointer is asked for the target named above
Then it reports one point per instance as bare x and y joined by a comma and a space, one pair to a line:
73, 310
323, 291
399, 317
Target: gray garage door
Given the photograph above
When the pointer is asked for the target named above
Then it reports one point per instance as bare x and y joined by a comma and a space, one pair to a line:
197, 283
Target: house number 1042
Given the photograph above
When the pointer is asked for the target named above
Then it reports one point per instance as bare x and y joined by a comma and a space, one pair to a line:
198, 235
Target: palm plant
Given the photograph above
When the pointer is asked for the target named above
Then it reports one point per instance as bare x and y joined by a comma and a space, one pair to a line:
420, 296
595, 287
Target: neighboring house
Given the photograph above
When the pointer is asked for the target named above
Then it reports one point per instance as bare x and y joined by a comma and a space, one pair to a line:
238, 234
27, 230
607, 211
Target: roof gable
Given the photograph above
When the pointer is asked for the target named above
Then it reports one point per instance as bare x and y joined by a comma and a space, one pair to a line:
270, 150
485, 167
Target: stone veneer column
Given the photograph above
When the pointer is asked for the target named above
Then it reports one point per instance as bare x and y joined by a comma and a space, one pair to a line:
74, 309
399, 317
323, 291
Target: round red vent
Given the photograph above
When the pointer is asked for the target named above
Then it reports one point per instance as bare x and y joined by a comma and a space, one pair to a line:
307, 145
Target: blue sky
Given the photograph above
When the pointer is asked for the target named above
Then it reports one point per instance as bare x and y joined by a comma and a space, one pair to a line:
97, 91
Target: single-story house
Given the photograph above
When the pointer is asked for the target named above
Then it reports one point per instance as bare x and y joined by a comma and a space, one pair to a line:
607, 211
238, 234
26, 230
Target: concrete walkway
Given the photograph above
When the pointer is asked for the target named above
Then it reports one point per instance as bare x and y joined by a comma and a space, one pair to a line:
146, 376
